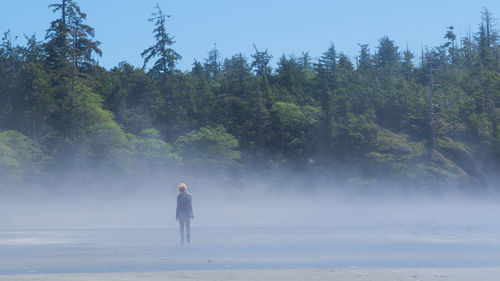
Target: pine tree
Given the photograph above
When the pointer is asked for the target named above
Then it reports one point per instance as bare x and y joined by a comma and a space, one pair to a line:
69, 40
328, 62
260, 62
407, 64
10, 62
387, 56
82, 46
305, 61
364, 60
69, 48
166, 56
487, 39
166, 59
213, 62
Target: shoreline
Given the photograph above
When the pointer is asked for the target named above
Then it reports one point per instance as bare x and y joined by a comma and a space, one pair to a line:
338, 274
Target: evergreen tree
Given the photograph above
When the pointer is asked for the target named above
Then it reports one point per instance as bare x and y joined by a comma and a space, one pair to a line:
305, 61
165, 63
166, 56
380, 116
387, 57
328, 62
9, 65
213, 62
82, 46
487, 40
407, 66
69, 48
69, 40
364, 61
260, 63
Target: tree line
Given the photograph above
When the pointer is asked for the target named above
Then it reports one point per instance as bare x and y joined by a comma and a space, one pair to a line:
387, 114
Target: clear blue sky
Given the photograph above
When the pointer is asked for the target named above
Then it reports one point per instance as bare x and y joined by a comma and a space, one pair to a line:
281, 26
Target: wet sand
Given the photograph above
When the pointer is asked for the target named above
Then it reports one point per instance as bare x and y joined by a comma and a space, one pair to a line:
379, 244
350, 274
113, 250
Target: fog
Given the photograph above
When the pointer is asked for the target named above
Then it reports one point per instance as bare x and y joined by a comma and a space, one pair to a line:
113, 225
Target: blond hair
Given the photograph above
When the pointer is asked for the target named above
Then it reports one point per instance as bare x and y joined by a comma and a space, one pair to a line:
182, 186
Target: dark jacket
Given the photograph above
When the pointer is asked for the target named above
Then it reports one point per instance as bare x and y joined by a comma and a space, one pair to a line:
184, 206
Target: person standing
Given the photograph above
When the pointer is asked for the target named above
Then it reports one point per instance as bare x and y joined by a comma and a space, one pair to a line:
184, 212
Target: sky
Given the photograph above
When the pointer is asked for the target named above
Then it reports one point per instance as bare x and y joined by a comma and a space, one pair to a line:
287, 27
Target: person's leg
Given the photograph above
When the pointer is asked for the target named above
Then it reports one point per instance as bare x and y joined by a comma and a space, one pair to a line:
181, 225
188, 230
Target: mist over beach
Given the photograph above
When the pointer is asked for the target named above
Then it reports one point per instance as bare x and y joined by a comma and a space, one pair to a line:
248, 166
253, 227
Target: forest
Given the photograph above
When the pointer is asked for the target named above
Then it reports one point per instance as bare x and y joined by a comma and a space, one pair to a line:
388, 114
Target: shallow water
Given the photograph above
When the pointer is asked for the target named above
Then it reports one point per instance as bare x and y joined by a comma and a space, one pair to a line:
64, 250
120, 234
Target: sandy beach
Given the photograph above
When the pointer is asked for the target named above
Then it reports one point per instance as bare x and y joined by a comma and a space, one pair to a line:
422, 243
350, 274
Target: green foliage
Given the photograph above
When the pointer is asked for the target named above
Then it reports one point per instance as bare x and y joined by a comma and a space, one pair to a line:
151, 152
461, 155
129, 93
260, 62
166, 56
290, 116
296, 126
388, 57
207, 147
374, 116
352, 136
69, 40
395, 156
97, 135
390, 142
19, 156
10, 168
